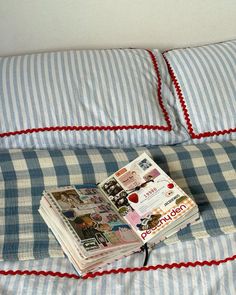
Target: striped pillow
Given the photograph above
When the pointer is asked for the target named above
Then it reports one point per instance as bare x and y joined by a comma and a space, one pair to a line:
87, 98
204, 80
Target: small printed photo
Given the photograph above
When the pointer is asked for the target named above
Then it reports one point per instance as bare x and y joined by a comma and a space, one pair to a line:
103, 208
151, 175
181, 199
112, 217
131, 179
124, 210
88, 191
90, 244
120, 199
112, 187
84, 226
92, 198
88, 229
145, 164
96, 217
67, 199
70, 214
149, 222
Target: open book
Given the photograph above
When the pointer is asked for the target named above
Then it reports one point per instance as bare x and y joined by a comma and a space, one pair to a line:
97, 224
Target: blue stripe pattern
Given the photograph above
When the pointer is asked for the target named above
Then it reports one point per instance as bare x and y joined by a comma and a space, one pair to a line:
113, 87
207, 78
205, 171
207, 280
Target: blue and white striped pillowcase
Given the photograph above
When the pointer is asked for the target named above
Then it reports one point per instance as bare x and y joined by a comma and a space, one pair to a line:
207, 79
85, 88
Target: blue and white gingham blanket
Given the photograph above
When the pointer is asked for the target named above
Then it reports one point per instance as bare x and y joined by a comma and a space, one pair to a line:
205, 171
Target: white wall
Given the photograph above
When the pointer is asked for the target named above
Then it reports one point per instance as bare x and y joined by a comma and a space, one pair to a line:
32, 26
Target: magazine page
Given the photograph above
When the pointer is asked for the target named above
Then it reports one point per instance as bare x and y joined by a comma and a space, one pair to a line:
146, 197
92, 219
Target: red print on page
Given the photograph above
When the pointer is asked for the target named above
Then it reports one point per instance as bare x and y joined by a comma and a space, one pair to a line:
133, 198
120, 172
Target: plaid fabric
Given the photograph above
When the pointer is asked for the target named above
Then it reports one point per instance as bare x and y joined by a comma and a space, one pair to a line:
206, 172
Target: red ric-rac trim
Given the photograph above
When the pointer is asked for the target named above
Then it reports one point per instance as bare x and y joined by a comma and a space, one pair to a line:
119, 270
84, 128
155, 64
107, 128
185, 110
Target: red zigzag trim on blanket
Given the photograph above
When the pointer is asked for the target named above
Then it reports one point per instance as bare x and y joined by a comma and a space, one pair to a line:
185, 110
108, 128
119, 270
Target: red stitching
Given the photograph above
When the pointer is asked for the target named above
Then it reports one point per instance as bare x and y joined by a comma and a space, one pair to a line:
107, 128
119, 270
185, 110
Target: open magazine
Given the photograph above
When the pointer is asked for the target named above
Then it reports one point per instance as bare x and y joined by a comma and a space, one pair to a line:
97, 224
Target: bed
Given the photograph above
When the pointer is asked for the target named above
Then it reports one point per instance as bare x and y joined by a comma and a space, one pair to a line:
77, 116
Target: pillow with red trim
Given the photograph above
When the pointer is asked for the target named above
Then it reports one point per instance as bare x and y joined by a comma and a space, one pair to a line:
204, 84
87, 98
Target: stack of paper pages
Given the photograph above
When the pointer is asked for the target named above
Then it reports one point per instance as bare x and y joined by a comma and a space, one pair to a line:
96, 225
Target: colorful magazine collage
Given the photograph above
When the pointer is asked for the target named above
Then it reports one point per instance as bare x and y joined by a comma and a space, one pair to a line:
96, 224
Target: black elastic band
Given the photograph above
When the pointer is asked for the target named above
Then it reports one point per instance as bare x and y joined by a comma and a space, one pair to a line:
145, 249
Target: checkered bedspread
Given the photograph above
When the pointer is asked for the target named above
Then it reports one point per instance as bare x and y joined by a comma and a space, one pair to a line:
206, 172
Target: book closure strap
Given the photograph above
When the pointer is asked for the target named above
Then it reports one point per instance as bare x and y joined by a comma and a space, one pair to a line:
144, 249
